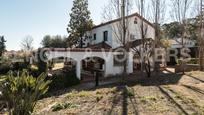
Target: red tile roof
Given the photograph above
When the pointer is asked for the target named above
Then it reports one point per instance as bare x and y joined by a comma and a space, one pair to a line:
100, 45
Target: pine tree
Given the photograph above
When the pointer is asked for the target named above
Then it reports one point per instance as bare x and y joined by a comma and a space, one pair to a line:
2, 45
80, 22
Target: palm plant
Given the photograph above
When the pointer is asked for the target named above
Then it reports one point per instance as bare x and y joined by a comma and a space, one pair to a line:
22, 91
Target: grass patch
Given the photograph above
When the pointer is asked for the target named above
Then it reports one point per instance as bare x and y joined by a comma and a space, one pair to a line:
61, 106
107, 91
145, 99
75, 94
129, 91
113, 90
99, 97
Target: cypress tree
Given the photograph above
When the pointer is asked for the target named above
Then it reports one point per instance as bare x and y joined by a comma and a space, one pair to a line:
2, 45
80, 22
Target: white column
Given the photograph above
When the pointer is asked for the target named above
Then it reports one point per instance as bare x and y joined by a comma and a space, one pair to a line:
130, 63
109, 67
78, 70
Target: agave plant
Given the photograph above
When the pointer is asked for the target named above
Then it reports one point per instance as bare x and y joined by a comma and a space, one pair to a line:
22, 91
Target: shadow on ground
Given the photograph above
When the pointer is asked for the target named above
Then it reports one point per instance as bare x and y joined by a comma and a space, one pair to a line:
160, 78
122, 97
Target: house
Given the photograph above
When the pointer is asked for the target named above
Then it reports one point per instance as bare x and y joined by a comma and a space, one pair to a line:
104, 40
176, 43
110, 32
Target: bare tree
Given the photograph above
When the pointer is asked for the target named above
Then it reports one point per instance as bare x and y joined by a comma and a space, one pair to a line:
198, 12
181, 10
115, 10
27, 44
119, 9
158, 16
201, 35
146, 50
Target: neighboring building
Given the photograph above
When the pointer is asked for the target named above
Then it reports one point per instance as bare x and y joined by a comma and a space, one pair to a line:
177, 43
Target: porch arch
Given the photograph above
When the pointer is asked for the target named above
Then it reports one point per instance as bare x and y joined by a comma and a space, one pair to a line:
67, 59
91, 64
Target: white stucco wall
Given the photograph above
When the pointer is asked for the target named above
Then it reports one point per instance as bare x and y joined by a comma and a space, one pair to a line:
133, 29
115, 33
99, 34
110, 69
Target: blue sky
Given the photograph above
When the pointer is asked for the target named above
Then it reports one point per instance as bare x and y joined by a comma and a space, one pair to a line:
37, 18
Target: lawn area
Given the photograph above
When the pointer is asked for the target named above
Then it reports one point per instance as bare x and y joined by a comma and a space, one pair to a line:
166, 93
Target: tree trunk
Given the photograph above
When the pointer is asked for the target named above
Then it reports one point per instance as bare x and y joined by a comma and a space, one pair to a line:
201, 37
81, 42
201, 58
124, 39
148, 68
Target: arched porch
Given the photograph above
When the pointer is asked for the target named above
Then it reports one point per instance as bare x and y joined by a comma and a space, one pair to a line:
90, 65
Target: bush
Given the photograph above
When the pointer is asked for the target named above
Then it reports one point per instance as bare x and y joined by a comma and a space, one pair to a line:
129, 91
21, 92
193, 61
5, 68
41, 64
190, 61
5, 65
20, 66
4, 59
34, 71
63, 80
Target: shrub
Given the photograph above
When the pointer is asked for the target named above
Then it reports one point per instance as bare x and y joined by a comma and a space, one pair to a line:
129, 91
193, 61
20, 66
4, 59
5, 65
22, 91
5, 68
190, 61
41, 64
63, 80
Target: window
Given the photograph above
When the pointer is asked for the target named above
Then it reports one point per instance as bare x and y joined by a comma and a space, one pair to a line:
105, 36
86, 37
94, 36
118, 60
135, 21
132, 37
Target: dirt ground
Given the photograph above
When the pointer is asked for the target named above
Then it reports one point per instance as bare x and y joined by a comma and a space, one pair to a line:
164, 94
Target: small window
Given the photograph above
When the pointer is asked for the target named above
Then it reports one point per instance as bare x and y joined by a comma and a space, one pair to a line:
132, 37
86, 37
105, 36
94, 36
118, 60
135, 21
